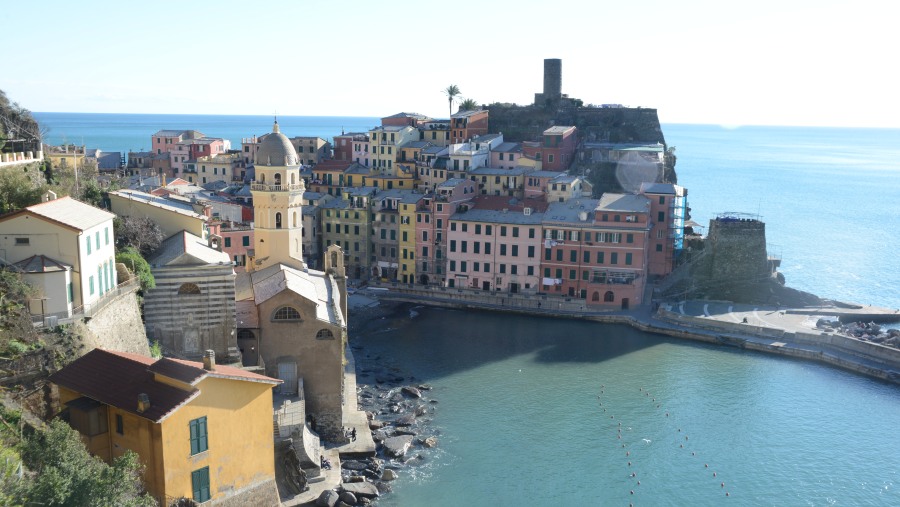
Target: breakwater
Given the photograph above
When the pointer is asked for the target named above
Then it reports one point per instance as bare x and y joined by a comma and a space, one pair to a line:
782, 333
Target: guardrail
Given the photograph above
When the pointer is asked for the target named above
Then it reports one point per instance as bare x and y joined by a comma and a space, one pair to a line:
88, 310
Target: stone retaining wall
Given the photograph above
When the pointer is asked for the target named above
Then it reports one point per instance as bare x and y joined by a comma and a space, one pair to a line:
117, 326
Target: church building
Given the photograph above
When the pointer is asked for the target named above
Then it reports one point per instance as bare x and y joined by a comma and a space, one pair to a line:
291, 320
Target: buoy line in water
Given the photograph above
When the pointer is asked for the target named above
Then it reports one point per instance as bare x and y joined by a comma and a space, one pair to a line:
633, 476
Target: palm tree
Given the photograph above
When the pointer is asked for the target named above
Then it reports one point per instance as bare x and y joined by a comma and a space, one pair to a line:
451, 92
468, 105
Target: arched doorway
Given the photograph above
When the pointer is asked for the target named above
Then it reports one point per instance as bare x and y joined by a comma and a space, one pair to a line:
609, 297
424, 279
596, 297
624, 303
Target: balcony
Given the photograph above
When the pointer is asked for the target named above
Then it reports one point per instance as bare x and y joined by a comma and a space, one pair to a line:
265, 187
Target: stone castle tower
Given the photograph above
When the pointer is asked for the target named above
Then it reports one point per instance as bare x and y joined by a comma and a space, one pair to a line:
277, 191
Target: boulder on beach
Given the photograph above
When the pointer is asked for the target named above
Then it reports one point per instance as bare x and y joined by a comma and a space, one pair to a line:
360, 489
388, 475
405, 420
348, 498
412, 391
397, 446
328, 498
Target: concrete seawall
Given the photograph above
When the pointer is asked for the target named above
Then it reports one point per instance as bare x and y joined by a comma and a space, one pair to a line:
850, 354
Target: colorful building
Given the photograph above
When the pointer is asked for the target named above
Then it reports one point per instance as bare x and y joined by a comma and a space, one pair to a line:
556, 150
202, 431
495, 250
668, 211
67, 233
595, 249
433, 212
465, 125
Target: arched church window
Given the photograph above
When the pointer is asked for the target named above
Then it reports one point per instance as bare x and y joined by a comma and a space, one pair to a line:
262, 178
293, 178
286, 313
278, 178
333, 259
295, 219
278, 220
189, 288
324, 334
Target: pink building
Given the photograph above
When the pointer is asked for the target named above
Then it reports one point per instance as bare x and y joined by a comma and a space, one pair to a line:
596, 250
237, 238
404, 119
433, 213
495, 249
165, 141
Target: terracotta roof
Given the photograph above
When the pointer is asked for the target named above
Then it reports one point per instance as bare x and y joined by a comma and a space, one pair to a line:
117, 378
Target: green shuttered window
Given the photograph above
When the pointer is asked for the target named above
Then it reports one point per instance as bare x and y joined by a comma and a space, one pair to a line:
198, 436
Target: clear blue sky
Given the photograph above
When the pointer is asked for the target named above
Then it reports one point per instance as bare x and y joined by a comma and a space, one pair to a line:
767, 62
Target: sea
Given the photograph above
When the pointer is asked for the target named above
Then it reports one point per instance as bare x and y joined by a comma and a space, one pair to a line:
543, 412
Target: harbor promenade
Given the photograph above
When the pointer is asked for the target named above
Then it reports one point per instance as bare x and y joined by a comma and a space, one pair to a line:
771, 329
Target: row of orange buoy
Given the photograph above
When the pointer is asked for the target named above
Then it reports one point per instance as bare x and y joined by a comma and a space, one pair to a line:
633, 474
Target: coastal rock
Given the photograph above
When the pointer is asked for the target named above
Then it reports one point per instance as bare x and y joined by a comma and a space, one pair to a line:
406, 420
375, 424
421, 410
412, 391
328, 498
348, 498
397, 446
360, 489
343, 504
429, 442
424, 387
388, 475
404, 431
353, 465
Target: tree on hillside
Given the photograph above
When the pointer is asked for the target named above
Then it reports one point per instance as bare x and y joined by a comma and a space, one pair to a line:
16, 122
468, 105
16, 331
130, 257
18, 191
451, 92
64, 473
140, 233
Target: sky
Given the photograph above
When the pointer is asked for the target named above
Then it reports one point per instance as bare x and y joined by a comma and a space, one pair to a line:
766, 62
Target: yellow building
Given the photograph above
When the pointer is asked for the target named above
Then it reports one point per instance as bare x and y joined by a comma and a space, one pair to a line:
407, 207
202, 431
384, 146
65, 157
171, 216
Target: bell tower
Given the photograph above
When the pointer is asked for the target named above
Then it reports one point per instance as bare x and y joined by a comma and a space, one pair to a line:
277, 191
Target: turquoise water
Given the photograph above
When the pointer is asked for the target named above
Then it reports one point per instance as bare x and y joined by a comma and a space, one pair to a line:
520, 422
518, 416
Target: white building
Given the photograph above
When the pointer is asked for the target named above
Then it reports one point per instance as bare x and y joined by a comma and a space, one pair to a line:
72, 235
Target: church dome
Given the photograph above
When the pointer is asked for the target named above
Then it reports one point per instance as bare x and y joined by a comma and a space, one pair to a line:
276, 150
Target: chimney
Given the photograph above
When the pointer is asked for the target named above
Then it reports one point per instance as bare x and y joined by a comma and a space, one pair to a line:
143, 403
48, 196
209, 360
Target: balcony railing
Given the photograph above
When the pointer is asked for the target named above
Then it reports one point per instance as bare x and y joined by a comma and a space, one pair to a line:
265, 187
